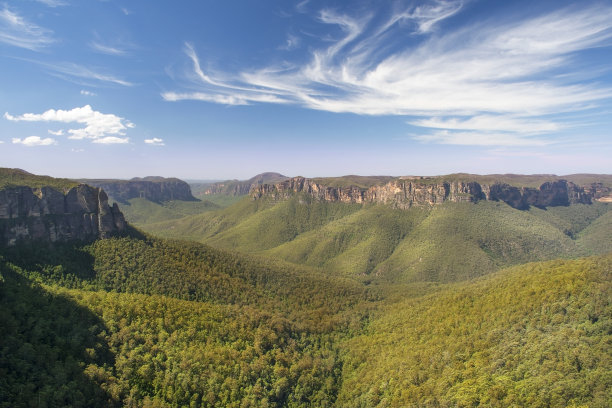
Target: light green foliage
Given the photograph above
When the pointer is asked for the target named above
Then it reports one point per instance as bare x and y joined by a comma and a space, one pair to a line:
459, 241
202, 226
536, 335
571, 219
449, 242
280, 223
222, 200
140, 211
355, 244
595, 239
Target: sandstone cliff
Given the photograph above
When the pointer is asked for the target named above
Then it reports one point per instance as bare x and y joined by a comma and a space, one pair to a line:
237, 187
49, 214
157, 189
404, 193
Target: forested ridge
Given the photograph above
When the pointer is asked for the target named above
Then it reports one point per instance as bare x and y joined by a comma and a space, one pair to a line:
447, 243
138, 321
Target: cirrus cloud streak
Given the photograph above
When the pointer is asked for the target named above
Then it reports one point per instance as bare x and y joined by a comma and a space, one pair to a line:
503, 82
18, 32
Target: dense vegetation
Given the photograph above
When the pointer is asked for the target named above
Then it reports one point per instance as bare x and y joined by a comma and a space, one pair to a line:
18, 177
537, 335
326, 304
449, 242
139, 211
145, 322
140, 322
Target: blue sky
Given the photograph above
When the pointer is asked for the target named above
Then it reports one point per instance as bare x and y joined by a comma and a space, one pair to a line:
229, 89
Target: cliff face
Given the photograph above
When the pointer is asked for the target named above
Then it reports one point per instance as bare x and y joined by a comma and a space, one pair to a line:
403, 194
47, 214
157, 189
236, 187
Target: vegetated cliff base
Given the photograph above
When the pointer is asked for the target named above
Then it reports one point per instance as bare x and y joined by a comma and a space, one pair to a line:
156, 189
406, 192
50, 214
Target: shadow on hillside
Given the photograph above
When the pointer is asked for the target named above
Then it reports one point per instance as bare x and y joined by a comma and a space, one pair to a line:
60, 262
47, 344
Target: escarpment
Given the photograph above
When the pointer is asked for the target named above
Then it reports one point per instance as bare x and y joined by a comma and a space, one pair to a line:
238, 188
157, 189
404, 193
49, 214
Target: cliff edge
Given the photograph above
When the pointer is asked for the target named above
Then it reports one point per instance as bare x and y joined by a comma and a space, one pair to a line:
406, 192
61, 211
156, 189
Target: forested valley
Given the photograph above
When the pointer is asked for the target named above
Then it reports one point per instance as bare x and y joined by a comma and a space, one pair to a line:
441, 309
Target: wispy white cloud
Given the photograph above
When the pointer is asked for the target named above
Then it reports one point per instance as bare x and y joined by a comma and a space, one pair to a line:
156, 141
489, 123
107, 49
291, 43
87, 93
223, 99
100, 127
477, 138
301, 6
494, 82
83, 75
18, 32
53, 3
425, 16
56, 132
35, 141
79, 71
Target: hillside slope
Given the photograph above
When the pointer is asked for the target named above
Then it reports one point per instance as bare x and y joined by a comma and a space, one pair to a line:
536, 335
448, 242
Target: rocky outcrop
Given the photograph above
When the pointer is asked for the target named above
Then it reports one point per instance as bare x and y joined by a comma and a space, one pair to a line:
237, 187
156, 189
406, 193
48, 214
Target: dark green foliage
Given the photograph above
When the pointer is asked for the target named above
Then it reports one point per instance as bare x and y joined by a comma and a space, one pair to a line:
180, 353
536, 335
46, 342
190, 271
251, 332
17, 177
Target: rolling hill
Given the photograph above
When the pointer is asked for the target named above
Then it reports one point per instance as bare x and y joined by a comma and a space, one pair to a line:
447, 242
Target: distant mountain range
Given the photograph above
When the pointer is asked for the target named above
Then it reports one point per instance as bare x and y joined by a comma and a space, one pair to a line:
236, 187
